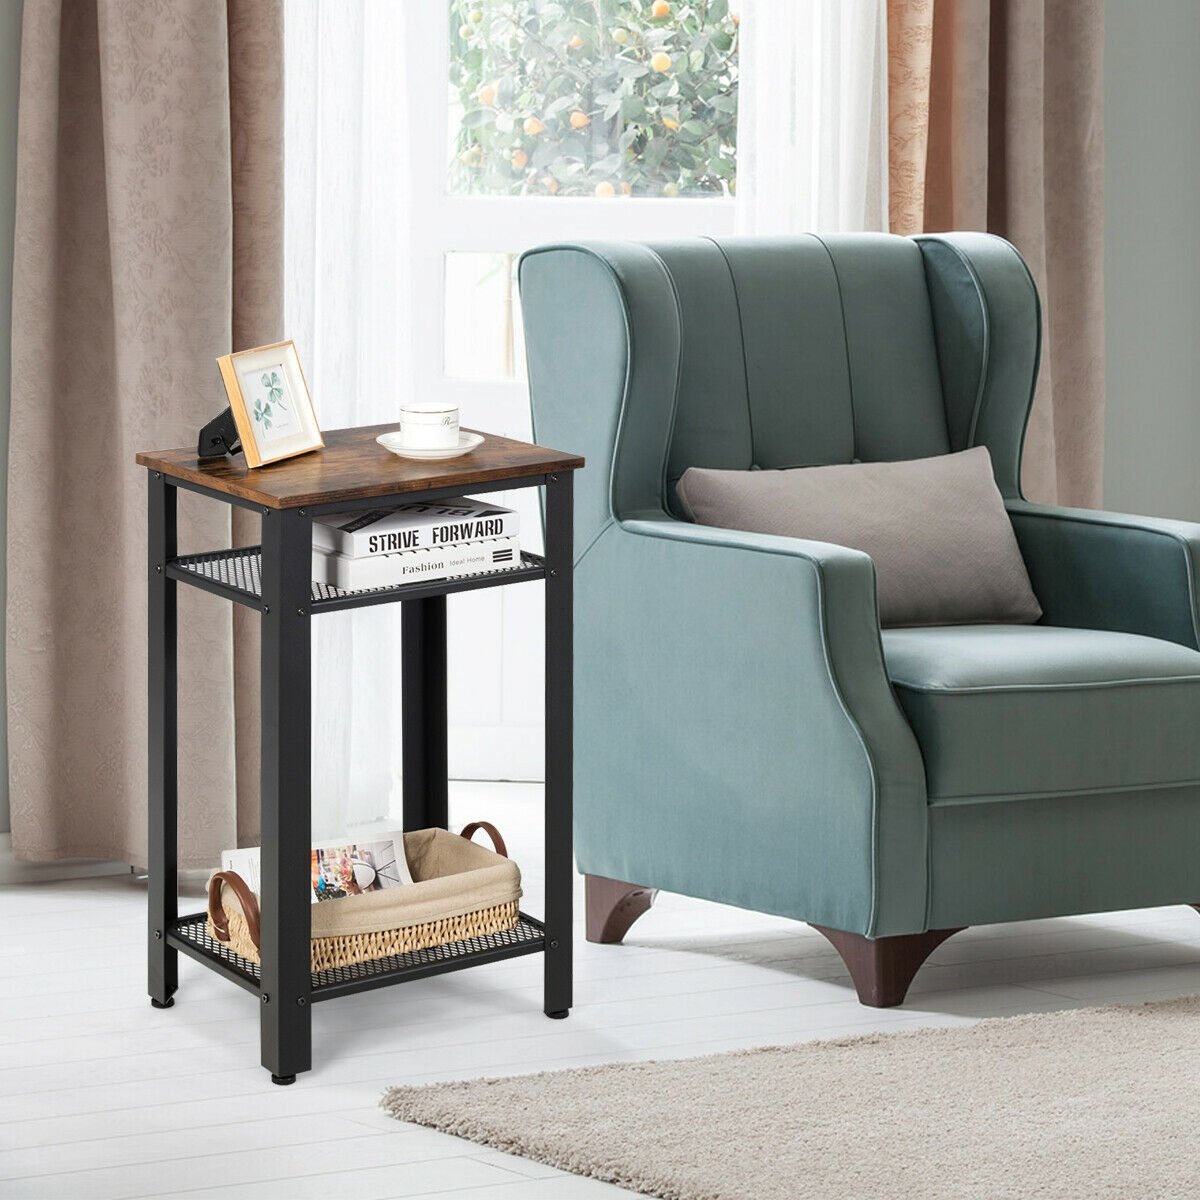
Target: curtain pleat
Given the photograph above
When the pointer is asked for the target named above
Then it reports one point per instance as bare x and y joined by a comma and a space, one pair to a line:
133, 270
1074, 296
956, 172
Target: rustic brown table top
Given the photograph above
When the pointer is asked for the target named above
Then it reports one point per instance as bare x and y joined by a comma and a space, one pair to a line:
353, 466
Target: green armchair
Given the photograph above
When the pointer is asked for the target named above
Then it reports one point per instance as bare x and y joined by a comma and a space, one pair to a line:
745, 731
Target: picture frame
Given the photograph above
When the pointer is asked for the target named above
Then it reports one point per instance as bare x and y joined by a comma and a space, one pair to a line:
271, 404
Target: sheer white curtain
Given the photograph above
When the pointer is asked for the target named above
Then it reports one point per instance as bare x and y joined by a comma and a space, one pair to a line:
347, 307
812, 116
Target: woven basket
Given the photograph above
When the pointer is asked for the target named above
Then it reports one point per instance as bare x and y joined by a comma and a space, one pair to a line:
459, 891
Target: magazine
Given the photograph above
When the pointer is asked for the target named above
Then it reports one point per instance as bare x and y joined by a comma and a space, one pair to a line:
348, 869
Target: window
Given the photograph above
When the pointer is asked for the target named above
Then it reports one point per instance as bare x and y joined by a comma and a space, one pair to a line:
563, 120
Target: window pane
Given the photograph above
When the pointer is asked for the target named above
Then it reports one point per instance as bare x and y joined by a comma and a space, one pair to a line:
483, 338
593, 97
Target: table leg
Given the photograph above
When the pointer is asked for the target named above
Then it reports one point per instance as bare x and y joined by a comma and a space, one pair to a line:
423, 700
286, 1017
559, 700
163, 795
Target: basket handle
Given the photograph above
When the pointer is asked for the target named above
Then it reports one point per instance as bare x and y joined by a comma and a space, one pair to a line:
246, 898
469, 832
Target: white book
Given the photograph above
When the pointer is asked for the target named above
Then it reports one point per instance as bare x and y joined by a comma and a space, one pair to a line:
416, 526
408, 566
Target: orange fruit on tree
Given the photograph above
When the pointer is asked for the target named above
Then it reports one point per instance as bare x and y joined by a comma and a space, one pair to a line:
626, 187
671, 189
580, 120
550, 184
660, 62
465, 31
605, 189
520, 159
575, 43
486, 95
670, 124
660, 9
533, 126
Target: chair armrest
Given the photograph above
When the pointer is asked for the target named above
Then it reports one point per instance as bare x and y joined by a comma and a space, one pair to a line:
1102, 570
763, 758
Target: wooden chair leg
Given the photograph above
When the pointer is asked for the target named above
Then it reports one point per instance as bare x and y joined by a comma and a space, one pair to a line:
613, 906
883, 968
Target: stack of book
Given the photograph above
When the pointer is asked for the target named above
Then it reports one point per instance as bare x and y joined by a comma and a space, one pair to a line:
387, 547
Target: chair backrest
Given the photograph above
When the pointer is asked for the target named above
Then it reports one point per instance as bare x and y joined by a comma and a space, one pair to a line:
801, 352
775, 352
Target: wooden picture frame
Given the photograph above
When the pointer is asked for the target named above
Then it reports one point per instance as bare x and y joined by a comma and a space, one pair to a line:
271, 404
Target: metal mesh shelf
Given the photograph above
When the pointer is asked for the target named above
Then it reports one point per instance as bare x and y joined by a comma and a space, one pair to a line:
234, 574
190, 934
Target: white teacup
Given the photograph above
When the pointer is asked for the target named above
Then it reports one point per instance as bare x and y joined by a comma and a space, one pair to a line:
429, 426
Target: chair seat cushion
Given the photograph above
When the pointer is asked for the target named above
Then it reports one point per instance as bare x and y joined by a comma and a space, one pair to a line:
1011, 711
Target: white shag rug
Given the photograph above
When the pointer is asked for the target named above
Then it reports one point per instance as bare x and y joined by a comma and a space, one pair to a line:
1069, 1105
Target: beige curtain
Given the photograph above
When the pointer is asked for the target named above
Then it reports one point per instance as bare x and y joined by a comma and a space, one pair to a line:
1013, 143
148, 241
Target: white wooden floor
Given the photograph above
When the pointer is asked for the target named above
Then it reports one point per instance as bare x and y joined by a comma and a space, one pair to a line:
102, 1097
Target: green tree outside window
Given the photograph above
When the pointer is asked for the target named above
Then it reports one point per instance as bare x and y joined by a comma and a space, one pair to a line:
594, 97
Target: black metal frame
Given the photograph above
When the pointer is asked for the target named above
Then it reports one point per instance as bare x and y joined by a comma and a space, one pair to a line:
163, 799
287, 600
559, 742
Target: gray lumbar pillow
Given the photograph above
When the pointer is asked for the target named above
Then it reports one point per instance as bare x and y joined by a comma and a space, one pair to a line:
943, 546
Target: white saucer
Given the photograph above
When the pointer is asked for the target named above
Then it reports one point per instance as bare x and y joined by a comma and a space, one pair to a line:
466, 443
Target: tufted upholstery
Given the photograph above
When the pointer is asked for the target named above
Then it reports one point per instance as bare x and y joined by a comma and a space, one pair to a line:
830, 362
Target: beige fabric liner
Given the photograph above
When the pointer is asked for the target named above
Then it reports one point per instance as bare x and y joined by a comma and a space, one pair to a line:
1062, 1106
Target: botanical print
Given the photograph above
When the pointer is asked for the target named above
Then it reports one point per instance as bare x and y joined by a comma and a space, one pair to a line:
269, 403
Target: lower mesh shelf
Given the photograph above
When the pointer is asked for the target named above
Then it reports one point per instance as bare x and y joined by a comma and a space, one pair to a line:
191, 935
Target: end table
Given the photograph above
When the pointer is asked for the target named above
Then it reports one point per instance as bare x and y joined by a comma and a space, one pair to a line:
275, 580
